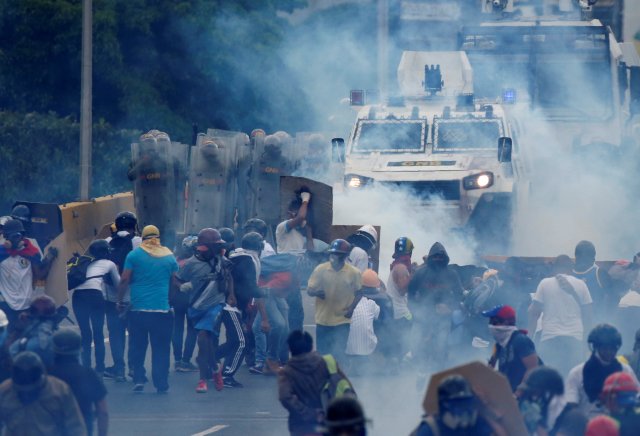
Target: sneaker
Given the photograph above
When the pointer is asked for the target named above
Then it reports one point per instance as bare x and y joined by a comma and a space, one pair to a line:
257, 369
201, 388
162, 391
138, 387
218, 380
230, 382
188, 366
110, 372
178, 366
120, 379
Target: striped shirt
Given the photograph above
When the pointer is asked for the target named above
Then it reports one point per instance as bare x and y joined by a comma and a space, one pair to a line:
362, 338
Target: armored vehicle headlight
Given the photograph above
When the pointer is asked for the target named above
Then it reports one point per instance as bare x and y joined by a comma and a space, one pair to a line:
355, 181
478, 181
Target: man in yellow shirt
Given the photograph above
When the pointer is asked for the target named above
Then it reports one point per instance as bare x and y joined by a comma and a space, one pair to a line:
337, 288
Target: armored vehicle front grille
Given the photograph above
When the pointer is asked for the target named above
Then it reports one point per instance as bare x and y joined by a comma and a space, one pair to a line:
429, 190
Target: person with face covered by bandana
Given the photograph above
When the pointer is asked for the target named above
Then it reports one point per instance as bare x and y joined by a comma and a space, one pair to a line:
585, 381
336, 287
459, 413
434, 293
514, 352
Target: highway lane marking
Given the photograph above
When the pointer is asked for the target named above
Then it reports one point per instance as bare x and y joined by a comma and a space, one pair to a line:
214, 429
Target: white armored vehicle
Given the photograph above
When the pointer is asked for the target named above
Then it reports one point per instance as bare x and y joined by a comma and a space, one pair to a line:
438, 144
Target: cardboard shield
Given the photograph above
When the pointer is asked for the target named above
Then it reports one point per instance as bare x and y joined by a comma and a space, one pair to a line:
320, 213
491, 387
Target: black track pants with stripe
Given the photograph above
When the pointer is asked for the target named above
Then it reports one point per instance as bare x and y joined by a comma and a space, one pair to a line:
233, 350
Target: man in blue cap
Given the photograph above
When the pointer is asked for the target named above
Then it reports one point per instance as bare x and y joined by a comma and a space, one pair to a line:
514, 352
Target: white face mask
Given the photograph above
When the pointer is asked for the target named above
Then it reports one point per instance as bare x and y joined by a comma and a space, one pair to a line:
502, 333
464, 420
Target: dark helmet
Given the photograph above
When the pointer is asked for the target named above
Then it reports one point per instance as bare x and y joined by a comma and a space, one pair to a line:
253, 241
256, 225
585, 250
454, 387
42, 306
339, 246
126, 220
67, 341
27, 372
99, 249
402, 246
344, 413
21, 212
13, 226
605, 334
209, 236
544, 380
228, 235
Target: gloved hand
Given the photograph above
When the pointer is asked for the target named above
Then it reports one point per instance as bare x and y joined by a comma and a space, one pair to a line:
305, 196
186, 287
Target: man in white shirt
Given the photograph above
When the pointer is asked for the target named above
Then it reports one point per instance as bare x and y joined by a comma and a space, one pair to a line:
586, 380
565, 305
293, 235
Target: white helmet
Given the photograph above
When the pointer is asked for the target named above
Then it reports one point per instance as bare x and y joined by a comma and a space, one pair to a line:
4, 321
369, 230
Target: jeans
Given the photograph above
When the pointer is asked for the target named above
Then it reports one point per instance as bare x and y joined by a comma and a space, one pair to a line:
154, 328
117, 336
89, 309
273, 344
333, 340
231, 351
180, 353
296, 311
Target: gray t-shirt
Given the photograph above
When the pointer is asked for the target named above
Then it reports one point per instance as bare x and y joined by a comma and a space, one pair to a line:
200, 273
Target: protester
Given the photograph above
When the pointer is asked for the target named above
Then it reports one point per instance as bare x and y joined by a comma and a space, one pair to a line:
300, 383
383, 327
89, 302
586, 380
597, 280
363, 241
458, 413
629, 310
345, 417
633, 359
85, 383
183, 347
148, 271
259, 226
397, 288
434, 293
620, 399
206, 279
566, 306
514, 352
34, 403
336, 287
362, 339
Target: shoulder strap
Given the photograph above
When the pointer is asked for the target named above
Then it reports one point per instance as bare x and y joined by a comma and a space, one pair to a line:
332, 366
570, 290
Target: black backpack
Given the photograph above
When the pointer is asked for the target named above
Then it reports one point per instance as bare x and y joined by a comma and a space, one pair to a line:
120, 247
77, 270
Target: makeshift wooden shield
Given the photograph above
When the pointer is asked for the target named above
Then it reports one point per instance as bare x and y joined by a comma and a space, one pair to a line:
491, 387
320, 212
343, 231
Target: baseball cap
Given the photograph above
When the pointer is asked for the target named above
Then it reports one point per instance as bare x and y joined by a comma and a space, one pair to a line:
503, 312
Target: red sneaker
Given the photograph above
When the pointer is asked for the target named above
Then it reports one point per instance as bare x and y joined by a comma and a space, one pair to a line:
202, 387
217, 379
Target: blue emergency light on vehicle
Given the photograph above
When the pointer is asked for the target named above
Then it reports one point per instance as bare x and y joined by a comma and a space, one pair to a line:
509, 96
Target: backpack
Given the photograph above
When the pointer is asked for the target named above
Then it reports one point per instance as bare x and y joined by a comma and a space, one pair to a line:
337, 385
120, 247
77, 270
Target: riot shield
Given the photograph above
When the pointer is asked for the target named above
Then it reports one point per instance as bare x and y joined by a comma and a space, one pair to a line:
154, 185
243, 174
211, 176
273, 158
180, 154
313, 157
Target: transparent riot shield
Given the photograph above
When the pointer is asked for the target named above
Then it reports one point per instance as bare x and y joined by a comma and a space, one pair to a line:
313, 151
211, 174
244, 193
154, 187
180, 154
273, 158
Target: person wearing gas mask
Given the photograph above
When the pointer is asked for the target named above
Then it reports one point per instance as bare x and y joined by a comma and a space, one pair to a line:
363, 241
336, 287
459, 413
20, 265
206, 278
585, 381
434, 293
541, 402
514, 352
34, 403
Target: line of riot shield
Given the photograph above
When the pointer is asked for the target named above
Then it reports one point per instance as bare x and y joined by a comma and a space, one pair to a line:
180, 154
313, 161
211, 179
152, 171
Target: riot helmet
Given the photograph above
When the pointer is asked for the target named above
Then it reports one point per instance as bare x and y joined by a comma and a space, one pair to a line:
256, 225
273, 146
365, 237
67, 342
28, 373
253, 241
339, 246
619, 391
21, 212
126, 221
209, 244
403, 246
99, 249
